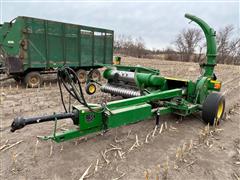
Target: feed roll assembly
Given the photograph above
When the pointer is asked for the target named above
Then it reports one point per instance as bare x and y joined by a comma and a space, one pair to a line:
146, 94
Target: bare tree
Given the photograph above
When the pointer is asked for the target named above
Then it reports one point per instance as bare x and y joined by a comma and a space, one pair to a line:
128, 46
139, 47
234, 51
189, 45
228, 47
187, 41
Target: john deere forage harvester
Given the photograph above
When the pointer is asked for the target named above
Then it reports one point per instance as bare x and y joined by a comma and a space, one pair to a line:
146, 94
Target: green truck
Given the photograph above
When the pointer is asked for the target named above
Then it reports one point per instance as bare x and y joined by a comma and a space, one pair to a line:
31, 47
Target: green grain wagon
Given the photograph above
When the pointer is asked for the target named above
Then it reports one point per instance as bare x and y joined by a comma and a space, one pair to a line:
32, 46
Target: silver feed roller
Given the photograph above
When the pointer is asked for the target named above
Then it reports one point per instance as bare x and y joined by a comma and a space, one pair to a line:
120, 91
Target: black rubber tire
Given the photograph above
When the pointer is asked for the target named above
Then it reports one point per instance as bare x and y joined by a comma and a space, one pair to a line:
88, 90
33, 79
95, 75
82, 75
210, 108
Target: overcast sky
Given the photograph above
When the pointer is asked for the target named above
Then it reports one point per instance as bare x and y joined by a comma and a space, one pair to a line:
156, 22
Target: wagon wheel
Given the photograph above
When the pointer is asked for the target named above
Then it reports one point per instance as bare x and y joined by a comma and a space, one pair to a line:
82, 75
213, 108
33, 79
95, 75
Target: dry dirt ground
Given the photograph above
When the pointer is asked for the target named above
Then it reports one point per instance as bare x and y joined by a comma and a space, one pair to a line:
181, 149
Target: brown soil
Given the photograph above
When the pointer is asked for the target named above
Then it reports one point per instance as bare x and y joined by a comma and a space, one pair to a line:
185, 149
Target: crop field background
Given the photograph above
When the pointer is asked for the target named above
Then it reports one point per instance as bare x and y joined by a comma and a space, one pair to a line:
181, 148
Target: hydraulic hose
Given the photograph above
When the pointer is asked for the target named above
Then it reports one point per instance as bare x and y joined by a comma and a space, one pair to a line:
68, 78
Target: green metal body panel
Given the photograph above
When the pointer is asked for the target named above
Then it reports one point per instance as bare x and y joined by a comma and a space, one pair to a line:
10, 37
3, 31
128, 115
44, 44
88, 119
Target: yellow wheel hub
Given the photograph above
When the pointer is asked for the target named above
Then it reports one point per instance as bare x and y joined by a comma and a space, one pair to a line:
91, 88
219, 113
220, 110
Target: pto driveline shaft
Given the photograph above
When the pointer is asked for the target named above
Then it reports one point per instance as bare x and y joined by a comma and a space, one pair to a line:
20, 122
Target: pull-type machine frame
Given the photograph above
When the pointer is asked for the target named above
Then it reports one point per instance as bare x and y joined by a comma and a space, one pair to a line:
146, 94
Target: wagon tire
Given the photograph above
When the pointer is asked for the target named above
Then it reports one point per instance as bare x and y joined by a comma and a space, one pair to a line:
33, 79
213, 108
95, 75
82, 75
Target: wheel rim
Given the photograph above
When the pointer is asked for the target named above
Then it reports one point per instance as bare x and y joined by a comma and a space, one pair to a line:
219, 113
33, 80
95, 76
91, 89
82, 77
220, 110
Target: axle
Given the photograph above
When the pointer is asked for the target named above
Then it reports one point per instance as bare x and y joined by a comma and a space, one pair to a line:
20, 122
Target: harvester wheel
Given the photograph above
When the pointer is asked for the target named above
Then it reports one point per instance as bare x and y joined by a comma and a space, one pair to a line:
213, 108
95, 75
90, 88
82, 75
33, 79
